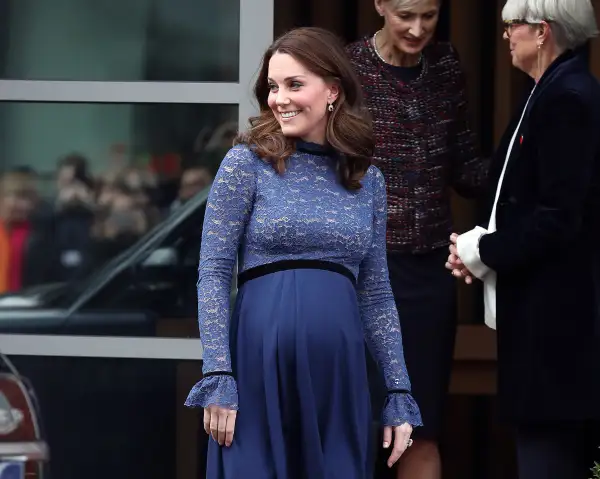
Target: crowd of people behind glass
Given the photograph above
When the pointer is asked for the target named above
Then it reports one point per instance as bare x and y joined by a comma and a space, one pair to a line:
85, 219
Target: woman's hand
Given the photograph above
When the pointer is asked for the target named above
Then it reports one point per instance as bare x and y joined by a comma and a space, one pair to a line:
402, 441
455, 264
220, 424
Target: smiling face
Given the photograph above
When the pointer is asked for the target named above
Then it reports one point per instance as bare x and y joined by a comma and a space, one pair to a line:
299, 99
410, 24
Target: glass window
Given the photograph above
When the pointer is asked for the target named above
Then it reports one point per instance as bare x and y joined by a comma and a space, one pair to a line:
135, 40
108, 202
116, 418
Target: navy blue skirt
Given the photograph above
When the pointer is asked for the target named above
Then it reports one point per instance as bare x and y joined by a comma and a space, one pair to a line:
298, 357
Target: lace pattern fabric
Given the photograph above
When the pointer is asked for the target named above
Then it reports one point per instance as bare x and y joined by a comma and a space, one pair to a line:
221, 390
303, 214
400, 409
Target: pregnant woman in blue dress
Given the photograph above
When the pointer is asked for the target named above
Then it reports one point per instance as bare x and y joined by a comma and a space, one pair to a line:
285, 391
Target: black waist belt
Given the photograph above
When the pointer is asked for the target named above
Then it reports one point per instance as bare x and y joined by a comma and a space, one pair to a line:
269, 268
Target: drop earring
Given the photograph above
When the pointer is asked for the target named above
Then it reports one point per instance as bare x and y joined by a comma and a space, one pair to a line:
330, 107
539, 59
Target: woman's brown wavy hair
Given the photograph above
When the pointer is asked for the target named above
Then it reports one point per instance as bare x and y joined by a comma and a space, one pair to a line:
349, 130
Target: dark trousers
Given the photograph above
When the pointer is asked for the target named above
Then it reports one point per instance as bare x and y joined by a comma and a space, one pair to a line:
556, 451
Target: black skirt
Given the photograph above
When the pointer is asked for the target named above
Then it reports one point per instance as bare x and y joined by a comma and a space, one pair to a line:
425, 294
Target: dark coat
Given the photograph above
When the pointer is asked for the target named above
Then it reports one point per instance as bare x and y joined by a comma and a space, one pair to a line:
546, 251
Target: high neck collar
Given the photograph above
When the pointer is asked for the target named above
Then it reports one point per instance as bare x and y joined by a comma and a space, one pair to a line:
314, 148
568, 56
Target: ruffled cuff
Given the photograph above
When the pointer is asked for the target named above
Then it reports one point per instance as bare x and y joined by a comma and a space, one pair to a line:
220, 390
401, 408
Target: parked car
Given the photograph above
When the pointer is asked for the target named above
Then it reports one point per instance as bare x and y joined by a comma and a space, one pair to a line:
23, 451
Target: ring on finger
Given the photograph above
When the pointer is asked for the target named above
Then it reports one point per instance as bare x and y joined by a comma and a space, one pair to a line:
409, 443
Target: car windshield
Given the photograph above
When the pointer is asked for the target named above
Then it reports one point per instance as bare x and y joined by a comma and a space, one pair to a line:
137, 252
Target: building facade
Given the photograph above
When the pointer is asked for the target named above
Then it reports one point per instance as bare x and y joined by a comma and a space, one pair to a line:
143, 91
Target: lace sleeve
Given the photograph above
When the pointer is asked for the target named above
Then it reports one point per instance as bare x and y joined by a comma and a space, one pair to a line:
380, 318
227, 213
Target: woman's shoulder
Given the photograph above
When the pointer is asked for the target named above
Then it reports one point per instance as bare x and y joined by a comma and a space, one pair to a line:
358, 49
242, 156
569, 82
442, 56
577, 97
373, 178
441, 51
578, 86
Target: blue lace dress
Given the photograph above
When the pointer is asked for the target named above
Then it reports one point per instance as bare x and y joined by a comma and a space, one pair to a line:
313, 286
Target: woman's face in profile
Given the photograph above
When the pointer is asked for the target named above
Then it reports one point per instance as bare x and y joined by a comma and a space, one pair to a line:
299, 98
522, 41
410, 23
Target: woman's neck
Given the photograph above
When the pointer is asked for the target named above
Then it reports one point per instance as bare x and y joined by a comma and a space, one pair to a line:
392, 55
313, 142
319, 149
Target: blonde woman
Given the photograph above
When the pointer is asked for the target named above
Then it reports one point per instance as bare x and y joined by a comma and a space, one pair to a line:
415, 91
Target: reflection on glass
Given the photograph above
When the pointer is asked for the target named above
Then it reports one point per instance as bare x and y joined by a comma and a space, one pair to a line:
134, 40
101, 207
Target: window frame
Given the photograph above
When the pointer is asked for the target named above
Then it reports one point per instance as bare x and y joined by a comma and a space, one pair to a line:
256, 34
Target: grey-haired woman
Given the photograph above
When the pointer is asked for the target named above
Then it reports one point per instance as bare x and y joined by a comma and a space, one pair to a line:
539, 255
